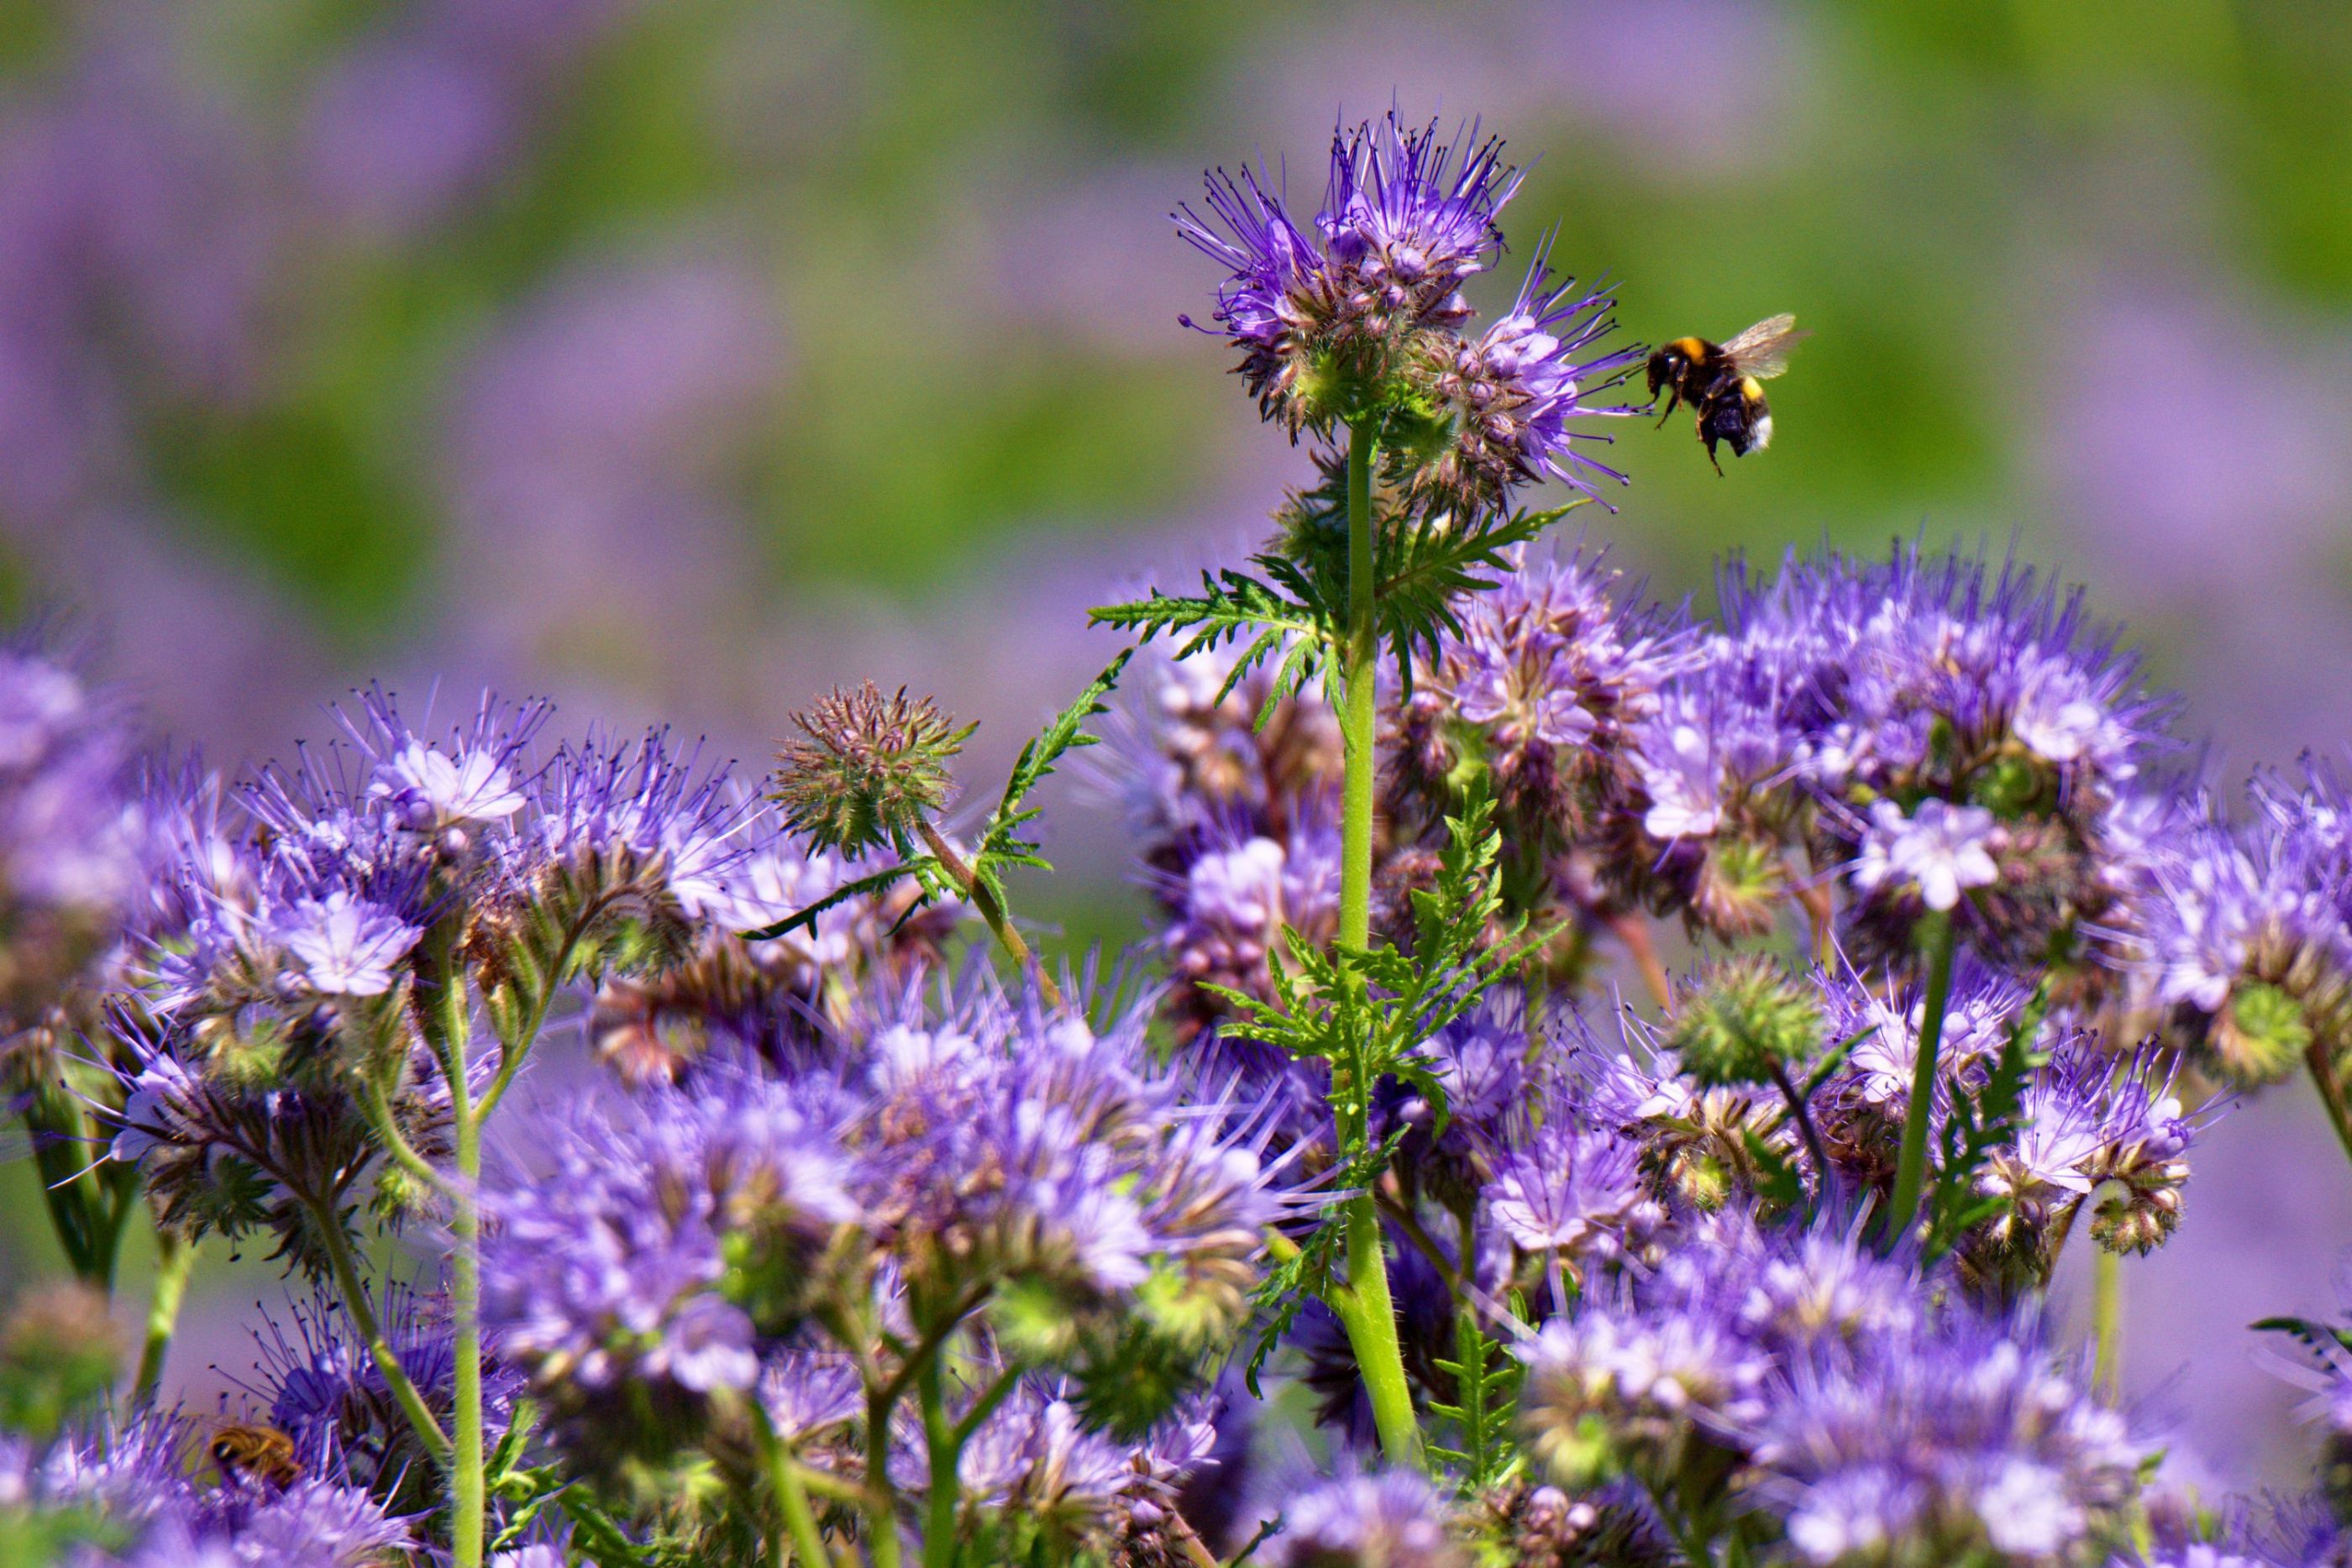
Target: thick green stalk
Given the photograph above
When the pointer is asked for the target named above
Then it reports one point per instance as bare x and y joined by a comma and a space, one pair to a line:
944, 1443
173, 1260
2106, 1320
992, 912
448, 1031
360, 1311
792, 1498
2331, 1091
881, 1496
1911, 1166
1358, 693
1366, 1309
468, 1502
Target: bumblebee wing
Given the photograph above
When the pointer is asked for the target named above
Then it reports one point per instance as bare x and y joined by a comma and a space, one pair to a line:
1762, 350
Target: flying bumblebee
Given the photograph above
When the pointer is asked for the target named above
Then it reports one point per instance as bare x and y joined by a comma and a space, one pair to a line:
1724, 382
263, 1452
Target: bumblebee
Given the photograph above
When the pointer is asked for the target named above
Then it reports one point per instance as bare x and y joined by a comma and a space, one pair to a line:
263, 1452
1724, 384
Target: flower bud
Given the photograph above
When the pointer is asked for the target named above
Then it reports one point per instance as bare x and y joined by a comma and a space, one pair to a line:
868, 770
2259, 1036
1747, 1019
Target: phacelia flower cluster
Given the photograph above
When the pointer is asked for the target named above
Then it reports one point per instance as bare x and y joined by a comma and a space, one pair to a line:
1356, 315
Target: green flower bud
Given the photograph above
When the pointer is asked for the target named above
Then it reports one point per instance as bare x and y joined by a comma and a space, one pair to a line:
1746, 1018
1740, 886
2012, 786
869, 769
2259, 1036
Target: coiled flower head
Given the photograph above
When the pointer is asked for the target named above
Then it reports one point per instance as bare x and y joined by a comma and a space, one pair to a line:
867, 770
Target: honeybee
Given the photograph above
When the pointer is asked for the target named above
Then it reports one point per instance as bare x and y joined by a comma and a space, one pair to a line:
241, 1448
1725, 383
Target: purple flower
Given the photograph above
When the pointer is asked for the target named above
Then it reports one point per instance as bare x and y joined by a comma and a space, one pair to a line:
1623, 1384
1394, 1519
1546, 678
346, 946
1957, 1440
1573, 1191
1411, 220
321, 1386
314, 1521
1403, 225
609, 1267
1188, 766
806, 1392
1941, 851
642, 817
1889, 1016
1510, 399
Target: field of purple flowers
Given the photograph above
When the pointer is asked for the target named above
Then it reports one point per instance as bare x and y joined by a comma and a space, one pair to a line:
680, 1165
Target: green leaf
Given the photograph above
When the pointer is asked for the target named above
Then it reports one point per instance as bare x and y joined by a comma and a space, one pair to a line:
998, 841
1979, 1123
1777, 1181
1235, 607
876, 883
2316, 1335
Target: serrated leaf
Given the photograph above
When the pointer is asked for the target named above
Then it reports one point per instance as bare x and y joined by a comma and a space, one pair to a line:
2314, 1335
877, 883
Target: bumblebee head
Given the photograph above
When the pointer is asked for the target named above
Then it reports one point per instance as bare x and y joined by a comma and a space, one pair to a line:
1667, 363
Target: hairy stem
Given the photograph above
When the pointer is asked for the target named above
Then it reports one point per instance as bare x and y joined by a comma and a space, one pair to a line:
1366, 1309
358, 1307
984, 900
944, 1443
2106, 1320
1360, 697
799, 1518
173, 1260
468, 1501
1911, 1166
2331, 1091
1823, 1171
448, 1031
1368, 1314
881, 1498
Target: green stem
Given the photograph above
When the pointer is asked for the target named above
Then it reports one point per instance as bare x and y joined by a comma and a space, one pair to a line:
173, 1260
469, 1503
1366, 1309
1358, 718
2107, 1319
881, 1496
448, 1031
404, 1154
1369, 1317
512, 1051
984, 900
792, 1498
1823, 1172
944, 1443
357, 1307
1911, 1166
2331, 1091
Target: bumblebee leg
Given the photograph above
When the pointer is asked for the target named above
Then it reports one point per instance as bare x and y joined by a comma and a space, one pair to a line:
1673, 400
1709, 437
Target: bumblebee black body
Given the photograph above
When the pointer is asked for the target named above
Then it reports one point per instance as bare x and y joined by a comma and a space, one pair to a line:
1723, 383
1734, 414
1686, 370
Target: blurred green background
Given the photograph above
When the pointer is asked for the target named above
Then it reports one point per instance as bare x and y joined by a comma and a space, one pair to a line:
681, 359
